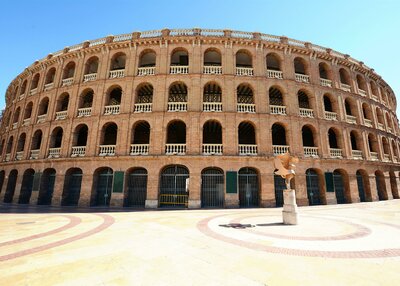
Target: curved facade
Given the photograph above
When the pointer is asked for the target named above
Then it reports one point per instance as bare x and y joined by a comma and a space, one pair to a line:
193, 118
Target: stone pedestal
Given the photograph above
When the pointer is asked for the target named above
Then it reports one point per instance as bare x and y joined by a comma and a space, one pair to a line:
289, 213
151, 204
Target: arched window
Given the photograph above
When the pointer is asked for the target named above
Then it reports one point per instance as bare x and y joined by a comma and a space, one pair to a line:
345, 83
118, 62
279, 143
177, 97
68, 74
23, 88
245, 99
212, 138
43, 106
247, 139
361, 85
212, 97
273, 62
10, 145
330, 108
85, 103
21, 144
113, 101
28, 113
140, 138
36, 141
301, 70
16, 115
212, 62
179, 61
374, 89
324, 72
379, 115
305, 108
50, 76
62, 106
350, 108
309, 147
176, 138
147, 63
335, 146
79, 140
108, 140
276, 103
55, 142
35, 83
91, 67
386, 149
244, 63
144, 98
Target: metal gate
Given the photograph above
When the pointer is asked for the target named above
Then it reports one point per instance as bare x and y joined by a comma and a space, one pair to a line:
104, 187
26, 187
12, 181
72, 188
380, 187
339, 188
248, 188
212, 188
360, 185
47, 187
279, 186
174, 187
312, 181
137, 188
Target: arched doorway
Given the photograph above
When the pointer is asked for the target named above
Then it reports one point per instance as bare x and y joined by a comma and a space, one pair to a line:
47, 187
338, 183
279, 186
312, 182
72, 187
136, 188
174, 184
212, 188
360, 185
26, 187
12, 181
381, 186
248, 188
102, 187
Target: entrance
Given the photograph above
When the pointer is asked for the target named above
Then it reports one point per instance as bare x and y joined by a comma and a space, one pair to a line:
312, 181
339, 187
279, 186
174, 185
47, 187
72, 187
137, 188
248, 188
103, 187
212, 188
360, 184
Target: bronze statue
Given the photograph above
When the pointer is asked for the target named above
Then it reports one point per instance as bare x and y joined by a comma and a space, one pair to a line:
285, 165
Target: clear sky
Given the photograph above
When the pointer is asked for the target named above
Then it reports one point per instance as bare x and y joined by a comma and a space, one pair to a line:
368, 30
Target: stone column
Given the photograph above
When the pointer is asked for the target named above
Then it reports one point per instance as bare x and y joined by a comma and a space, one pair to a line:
355, 197
267, 190
301, 190
18, 185
86, 190
388, 186
152, 190
194, 190
58, 189
374, 190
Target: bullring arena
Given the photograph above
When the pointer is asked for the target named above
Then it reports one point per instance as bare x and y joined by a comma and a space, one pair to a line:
192, 118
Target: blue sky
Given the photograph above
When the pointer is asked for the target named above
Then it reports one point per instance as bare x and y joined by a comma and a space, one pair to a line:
367, 30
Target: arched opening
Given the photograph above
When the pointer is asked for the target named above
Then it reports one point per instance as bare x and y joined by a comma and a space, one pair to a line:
147, 59
10, 145
136, 191
212, 188
388, 122
248, 188
313, 184
367, 113
324, 72
347, 107
46, 190
2, 177
373, 147
108, 140
247, 139
50, 76
278, 135
140, 138
361, 84
10, 189
43, 107
79, 140
144, 98
212, 58
212, 97
279, 186
379, 115
174, 187
21, 143
393, 185
177, 97
330, 106
374, 89
91, 67
344, 76
35, 82
333, 139
23, 87
355, 140
179, 57
102, 187
380, 185
86, 100
364, 190
69, 71
72, 187
26, 187
56, 139
340, 181
303, 100
62, 102
395, 152
273, 62
309, 146
300, 66
16, 116
118, 62
36, 140
176, 138
386, 149
28, 111
276, 103
245, 99
243, 59
212, 138
114, 96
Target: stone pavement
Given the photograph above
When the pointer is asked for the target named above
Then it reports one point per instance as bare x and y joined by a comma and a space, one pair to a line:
356, 244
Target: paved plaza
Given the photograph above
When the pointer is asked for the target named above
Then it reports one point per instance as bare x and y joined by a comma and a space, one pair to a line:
355, 244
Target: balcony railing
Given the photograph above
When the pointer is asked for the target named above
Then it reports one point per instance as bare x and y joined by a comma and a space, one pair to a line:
67, 81
177, 106
212, 70
345, 87
175, 149
116, 74
143, 107
107, 150
212, 106
280, 149
381, 126
386, 157
246, 107
305, 112
139, 149
19, 155
374, 97
302, 78
34, 154
111, 109
89, 77
14, 125
8, 157
395, 159
325, 82
48, 86
367, 122
335, 153
41, 118
357, 154
33, 91
78, 151
247, 149
277, 109
274, 74
310, 151
84, 112
61, 115
26, 122
373, 156
146, 71
21, 96
389, 129
351, 119
179, 70
244, 71
362, 92
54, 152
330, 115
212, 149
